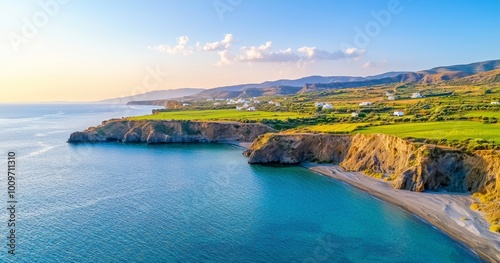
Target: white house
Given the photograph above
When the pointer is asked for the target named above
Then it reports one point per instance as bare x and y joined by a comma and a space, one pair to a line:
388, 94
391, 97
251, 109
354, 114
327, 106
277, 104
245, 106
416, 95
365, 103
239, 108
256, 101
399, 113
217, 104
270, 102
495, 103
319, 104
185, 104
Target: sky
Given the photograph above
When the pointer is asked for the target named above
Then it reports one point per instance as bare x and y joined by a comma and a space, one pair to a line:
87, 50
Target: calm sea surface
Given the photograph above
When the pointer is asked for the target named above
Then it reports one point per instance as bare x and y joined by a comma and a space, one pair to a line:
186, 203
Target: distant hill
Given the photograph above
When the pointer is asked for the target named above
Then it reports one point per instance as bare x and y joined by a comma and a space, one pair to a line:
485, 72
483, 78
154, 95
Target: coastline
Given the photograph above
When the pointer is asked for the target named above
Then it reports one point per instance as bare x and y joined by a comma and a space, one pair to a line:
447, 211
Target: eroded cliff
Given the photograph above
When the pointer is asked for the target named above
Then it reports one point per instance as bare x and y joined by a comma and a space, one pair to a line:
410, 166
297, 148
488, 197
148, 131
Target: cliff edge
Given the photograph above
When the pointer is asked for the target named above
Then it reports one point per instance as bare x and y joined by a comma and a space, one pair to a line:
410, 166
152, 132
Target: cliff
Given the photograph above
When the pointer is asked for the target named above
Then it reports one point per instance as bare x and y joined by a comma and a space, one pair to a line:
410, 166
169, 132
488, 198
297, 148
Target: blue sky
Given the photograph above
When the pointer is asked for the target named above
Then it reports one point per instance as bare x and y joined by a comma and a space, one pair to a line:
97, 49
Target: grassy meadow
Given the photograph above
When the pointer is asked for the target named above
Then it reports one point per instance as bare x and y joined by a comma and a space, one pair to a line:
220, 115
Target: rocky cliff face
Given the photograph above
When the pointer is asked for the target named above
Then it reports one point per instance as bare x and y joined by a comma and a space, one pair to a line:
297, 148
488, 198
415, 167
169, 132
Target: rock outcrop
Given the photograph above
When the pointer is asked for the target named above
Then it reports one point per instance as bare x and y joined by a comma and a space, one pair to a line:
148, 131
297, 148
488, 198
410, 166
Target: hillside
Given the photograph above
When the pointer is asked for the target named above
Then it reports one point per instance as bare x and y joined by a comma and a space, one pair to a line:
486, 72
153, 95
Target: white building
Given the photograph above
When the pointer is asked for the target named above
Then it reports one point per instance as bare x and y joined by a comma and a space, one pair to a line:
239, 108
185, 104
399, 113
354, 114
416, 95
217, 104
270, 102
495, 103
391, 98
245, 106
327, 106
210, 99
256, 101
277, 104
319, 104
365, 103
251, 109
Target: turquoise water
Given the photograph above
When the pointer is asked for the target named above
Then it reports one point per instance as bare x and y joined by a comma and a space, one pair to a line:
188, 203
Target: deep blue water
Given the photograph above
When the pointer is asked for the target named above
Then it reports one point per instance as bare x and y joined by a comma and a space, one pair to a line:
187, 203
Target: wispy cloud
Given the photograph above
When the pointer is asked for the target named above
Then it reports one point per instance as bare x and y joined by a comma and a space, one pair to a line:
373, 64
219, 45
261, 54
180, 48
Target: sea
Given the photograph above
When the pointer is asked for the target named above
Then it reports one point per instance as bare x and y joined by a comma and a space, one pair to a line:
115, 202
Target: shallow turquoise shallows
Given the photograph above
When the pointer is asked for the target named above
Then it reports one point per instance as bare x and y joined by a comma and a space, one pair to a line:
187, 203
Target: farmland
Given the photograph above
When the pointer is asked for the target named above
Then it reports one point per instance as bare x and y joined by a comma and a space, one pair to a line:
220, 115
450, 130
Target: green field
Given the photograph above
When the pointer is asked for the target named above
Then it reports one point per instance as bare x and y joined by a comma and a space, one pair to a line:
331, 128
451, 130
483, 114
220, 115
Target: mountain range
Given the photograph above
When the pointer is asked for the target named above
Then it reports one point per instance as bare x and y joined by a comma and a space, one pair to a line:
485, 72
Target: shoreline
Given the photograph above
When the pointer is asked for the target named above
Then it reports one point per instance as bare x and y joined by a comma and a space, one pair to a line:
449, 212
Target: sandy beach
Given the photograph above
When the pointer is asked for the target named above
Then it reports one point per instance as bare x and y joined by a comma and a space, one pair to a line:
447, 211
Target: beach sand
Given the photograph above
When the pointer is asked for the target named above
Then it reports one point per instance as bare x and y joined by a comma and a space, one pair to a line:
449, 212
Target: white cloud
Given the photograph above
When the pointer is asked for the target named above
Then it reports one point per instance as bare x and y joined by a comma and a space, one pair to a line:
262, 53
220, 45
314, 54
180, 48
225, 57
373, 64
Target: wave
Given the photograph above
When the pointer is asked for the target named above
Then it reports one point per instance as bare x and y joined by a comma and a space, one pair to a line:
45, 148
86, 203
